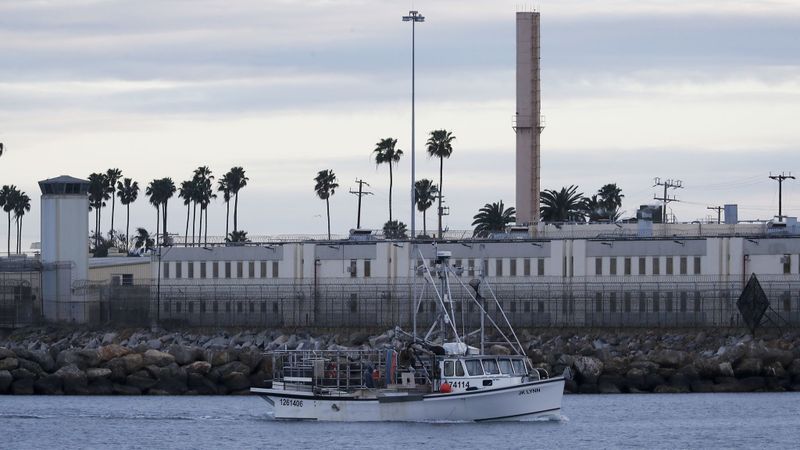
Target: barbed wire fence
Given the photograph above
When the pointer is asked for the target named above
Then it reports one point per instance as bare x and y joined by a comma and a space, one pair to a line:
570, 302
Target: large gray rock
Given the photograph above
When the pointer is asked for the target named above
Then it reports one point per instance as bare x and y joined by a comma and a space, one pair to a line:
9, 364
133, 362
7, 353
748, 367
236, 381
73, 379
794, 368
774, 369
82, 359
261, 379
157, 358
589, 369
218, 358
201, 384
184, 355
117, 368
235, 366
198, 367
356, 338
5, 381
670, 358
23, 386
31, 367
50, 384
43, 359
112, 351
96, 373
108, 338
100, 386
251, 358
22, 374
140, 380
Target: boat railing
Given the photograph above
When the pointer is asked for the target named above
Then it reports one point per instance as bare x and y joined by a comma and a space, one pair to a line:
342, 371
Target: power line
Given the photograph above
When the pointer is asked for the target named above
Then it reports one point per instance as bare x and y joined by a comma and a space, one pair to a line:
668, 184
779, 179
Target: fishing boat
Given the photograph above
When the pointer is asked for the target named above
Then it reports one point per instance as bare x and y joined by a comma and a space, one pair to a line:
437, 377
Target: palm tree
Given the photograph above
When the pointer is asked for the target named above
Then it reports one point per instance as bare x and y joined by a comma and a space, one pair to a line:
98, 194
143, 240
385, 152
127, 191
611, 200
566, 205
237, 181
186, 192
154, 190
168, 190
425, 194
113, 176
7, 198
440, 146
239, 237
325, 187
205, 193
492, 218
394, 229
224, 186
22, 205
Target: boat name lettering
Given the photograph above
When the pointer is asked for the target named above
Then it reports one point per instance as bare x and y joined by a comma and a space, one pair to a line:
291, 402
460, 384
529, 391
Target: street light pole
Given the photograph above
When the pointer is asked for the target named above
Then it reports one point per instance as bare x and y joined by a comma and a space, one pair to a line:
413, 17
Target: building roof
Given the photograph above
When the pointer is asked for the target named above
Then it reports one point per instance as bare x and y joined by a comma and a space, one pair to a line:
63, 179
115, 261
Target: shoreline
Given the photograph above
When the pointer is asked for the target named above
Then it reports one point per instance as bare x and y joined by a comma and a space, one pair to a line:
56, 360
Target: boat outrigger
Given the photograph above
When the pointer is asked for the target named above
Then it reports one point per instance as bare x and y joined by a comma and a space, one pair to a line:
427, 380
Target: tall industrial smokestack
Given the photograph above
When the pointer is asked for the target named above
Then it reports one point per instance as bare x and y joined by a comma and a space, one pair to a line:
527, 121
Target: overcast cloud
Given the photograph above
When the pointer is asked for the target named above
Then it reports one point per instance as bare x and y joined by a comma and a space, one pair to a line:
707, 92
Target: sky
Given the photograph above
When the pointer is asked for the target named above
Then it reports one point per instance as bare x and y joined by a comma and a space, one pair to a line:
707, 92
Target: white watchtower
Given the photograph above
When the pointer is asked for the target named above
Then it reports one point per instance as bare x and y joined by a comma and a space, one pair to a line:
65, 246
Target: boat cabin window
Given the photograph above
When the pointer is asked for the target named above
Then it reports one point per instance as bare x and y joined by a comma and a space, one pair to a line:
474, 367
519, 366
490, 366
453, 368
459, 369
505, 366
449, 368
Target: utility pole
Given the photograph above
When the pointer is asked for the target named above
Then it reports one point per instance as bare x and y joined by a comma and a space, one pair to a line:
779, 179
360, 193
718, 209
668, 184
413, 17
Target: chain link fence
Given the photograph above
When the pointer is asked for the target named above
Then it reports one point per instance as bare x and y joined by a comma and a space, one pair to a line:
699, 303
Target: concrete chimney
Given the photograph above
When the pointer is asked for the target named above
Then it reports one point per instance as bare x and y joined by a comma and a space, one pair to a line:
527, 120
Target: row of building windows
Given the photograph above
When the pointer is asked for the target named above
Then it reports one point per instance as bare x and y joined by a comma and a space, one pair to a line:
471, 266
220, 269
601, 268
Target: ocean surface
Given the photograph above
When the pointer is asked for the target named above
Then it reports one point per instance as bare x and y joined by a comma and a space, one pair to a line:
759, 420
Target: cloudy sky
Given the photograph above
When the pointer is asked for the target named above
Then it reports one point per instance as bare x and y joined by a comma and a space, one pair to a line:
703, 91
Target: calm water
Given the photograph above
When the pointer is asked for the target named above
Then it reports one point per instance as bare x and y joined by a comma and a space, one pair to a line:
589, 421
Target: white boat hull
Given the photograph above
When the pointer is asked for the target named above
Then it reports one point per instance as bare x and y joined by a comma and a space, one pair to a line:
519, 402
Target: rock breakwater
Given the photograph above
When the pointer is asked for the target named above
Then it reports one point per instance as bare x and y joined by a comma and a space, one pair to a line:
51, 361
